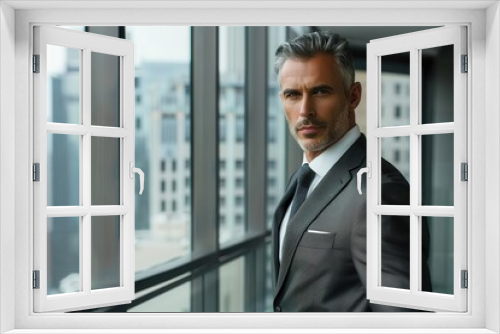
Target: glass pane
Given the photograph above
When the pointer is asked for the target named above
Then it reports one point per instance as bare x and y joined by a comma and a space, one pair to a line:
437, 84
105, 171
232, 286
439, 254
63, 170
395, 248
105, 89
437, 169
395, 93
395, 154
276, 129
105, 252
162, 143
176, 300
63, 84
63, 255
232, 133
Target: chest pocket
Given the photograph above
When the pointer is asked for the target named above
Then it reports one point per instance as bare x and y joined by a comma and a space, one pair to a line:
318, 240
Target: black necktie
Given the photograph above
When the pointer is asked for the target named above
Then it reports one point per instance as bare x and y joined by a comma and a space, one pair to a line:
304, 179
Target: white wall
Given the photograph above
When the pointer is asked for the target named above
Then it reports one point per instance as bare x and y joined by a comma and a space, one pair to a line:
7, 163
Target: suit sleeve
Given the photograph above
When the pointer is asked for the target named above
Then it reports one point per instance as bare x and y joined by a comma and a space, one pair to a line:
395, 231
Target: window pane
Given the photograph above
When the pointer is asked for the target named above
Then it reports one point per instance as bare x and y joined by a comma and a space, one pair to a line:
105, 171
63, 170
162, 142
437, 169
63, 255
395, 249
232, 118
437, 84
105, 252
105, 76
396, 151
440, 253
395, 94
176, 300
232, 286
276, 129
63, 84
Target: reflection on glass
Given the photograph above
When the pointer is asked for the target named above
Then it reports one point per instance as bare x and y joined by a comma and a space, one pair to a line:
437, 84
276, 129
437, 169
162, 142
63, 84
440, 257
232, 132
176, 300
395, 94
105, 88
396, 150
395, 248
63, 170
63, 255
232, 286
105, 171
105, 252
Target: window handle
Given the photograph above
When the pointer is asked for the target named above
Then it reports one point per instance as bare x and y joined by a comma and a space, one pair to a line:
141, 175
368, 171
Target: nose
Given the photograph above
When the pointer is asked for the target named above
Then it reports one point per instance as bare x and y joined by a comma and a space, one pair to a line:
307, 109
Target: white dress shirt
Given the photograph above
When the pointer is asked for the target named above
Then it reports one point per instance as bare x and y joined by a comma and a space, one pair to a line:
321, 165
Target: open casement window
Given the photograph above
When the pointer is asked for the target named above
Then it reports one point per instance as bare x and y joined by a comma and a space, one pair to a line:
417, 103
83, 170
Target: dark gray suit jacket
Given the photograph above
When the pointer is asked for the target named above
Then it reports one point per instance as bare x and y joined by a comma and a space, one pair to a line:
327, 272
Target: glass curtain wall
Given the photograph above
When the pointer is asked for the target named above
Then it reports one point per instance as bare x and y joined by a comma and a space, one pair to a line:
231, 134
163, 142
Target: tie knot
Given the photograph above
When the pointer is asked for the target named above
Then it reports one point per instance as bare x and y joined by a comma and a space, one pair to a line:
306, 175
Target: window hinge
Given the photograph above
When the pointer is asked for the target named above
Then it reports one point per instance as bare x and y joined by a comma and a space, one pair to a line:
36, 63
465, 64
36, 172
464, 171
465, 279
36, 279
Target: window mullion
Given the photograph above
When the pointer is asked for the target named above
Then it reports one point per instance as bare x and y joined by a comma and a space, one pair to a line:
415, 170
85, 170
204, 72
256, 129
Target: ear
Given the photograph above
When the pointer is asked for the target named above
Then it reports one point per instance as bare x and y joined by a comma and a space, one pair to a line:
355, 95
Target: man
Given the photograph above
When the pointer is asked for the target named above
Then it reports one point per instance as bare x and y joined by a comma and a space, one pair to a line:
320, 242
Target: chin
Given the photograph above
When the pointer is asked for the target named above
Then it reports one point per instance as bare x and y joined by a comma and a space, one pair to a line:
314, 146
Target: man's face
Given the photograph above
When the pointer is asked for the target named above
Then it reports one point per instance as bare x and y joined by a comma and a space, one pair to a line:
318, 109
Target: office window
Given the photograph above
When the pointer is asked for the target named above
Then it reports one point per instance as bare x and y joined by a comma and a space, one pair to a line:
84, 227
435, 139
162, 72
231, 124
277, 127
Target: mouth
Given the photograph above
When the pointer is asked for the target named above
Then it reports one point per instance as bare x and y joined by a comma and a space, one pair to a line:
308, 130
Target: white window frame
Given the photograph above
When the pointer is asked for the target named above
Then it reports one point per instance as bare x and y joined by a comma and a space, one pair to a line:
483, 20
413, 43
86, 43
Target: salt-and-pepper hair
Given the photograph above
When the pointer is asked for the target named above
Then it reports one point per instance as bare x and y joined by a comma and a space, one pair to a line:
308, 45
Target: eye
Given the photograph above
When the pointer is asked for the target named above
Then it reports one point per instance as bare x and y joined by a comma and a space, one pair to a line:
321, 91
290, 95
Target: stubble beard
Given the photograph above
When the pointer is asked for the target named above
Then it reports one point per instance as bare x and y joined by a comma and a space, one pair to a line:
333, 133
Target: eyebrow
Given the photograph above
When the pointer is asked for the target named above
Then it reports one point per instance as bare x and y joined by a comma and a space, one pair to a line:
315, 88
289, 90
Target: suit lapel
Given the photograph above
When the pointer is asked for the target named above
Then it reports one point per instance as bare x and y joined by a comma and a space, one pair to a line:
329, 187
278, 218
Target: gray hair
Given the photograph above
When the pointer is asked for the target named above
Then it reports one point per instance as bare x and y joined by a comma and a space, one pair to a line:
308, 45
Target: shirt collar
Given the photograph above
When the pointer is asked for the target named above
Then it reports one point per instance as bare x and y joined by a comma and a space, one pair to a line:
325, 161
